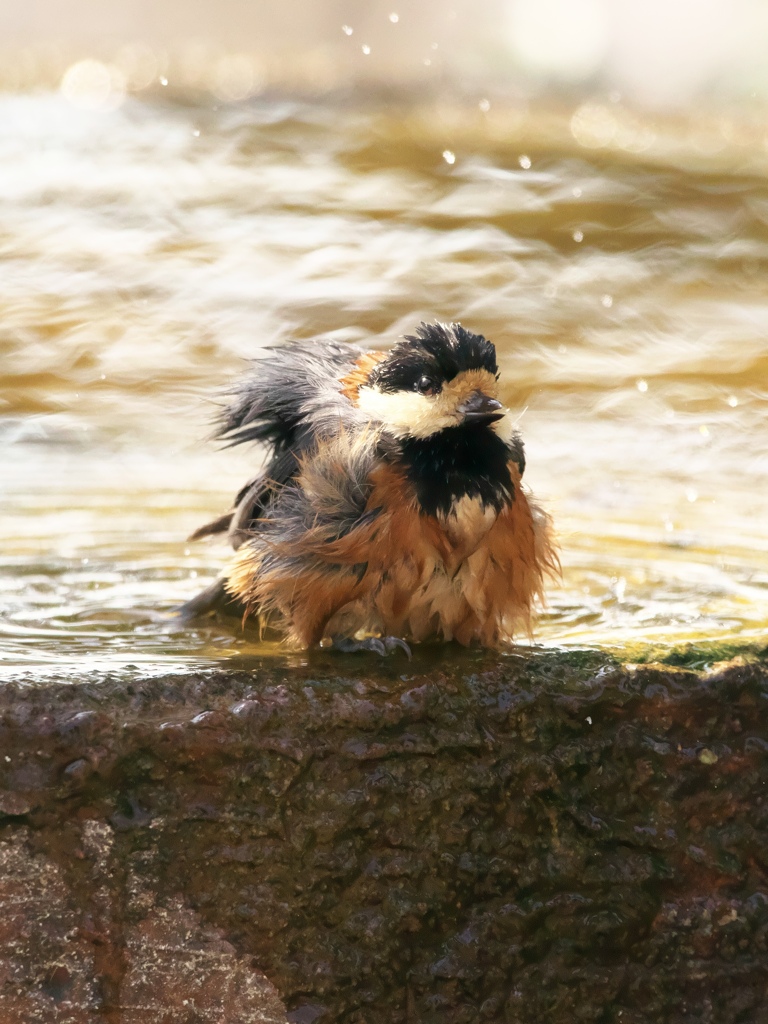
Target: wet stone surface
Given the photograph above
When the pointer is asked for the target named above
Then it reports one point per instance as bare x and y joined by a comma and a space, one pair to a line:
554, 838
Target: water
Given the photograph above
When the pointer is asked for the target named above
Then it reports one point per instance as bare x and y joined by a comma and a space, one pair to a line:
619, 264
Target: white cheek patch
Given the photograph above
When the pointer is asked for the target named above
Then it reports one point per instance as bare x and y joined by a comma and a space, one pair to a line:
406, 413
409, 414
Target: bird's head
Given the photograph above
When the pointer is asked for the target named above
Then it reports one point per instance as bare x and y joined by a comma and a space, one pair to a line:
441, 377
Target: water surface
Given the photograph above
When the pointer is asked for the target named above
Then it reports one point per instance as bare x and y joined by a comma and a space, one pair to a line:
619, 265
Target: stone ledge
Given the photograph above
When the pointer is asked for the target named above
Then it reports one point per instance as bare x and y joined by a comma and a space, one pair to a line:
526, 839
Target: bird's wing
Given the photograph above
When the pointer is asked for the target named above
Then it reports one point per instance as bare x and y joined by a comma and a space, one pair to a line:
250, 501
292, 397
306, 556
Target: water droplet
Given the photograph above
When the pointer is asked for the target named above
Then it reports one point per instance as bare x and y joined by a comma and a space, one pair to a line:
588, 719
607, 301
576, 192
196, 132
704, 430
163, 80
193, 574
427, 62
732, 401
578, 236
641, 385
83, 561
394, 18
187, 552
433, 46
692, 494
525, 162
347, 30
366, 49
485, 105
449, 157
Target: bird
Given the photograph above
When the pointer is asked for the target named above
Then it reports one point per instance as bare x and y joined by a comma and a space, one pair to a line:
390, 509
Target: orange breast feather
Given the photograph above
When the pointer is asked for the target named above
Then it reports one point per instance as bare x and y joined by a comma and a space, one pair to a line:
426, 580
405, 574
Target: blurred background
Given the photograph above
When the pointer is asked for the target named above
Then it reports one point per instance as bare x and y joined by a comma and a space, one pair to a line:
658, 53
582, 181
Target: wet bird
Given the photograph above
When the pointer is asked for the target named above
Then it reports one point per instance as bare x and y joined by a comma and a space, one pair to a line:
390, 508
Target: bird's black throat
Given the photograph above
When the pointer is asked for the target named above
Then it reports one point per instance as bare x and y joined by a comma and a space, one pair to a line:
465, 461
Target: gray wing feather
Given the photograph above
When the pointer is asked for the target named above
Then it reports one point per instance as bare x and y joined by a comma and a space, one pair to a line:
290, 398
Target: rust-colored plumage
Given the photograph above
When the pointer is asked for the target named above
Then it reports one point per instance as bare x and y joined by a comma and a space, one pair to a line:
357, 378
397, 509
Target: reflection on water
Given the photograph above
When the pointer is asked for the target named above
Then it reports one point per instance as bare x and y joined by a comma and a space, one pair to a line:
148, 250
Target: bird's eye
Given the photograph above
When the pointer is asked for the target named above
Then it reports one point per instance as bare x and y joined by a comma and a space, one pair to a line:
426, 386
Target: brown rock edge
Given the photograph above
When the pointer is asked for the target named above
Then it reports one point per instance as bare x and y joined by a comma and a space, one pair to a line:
466, 838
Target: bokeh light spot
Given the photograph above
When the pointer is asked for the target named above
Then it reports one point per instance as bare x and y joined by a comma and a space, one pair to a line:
567, 39
235, 78
91, 85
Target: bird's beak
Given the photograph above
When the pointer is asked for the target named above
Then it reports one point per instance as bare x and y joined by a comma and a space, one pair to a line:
479, 408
